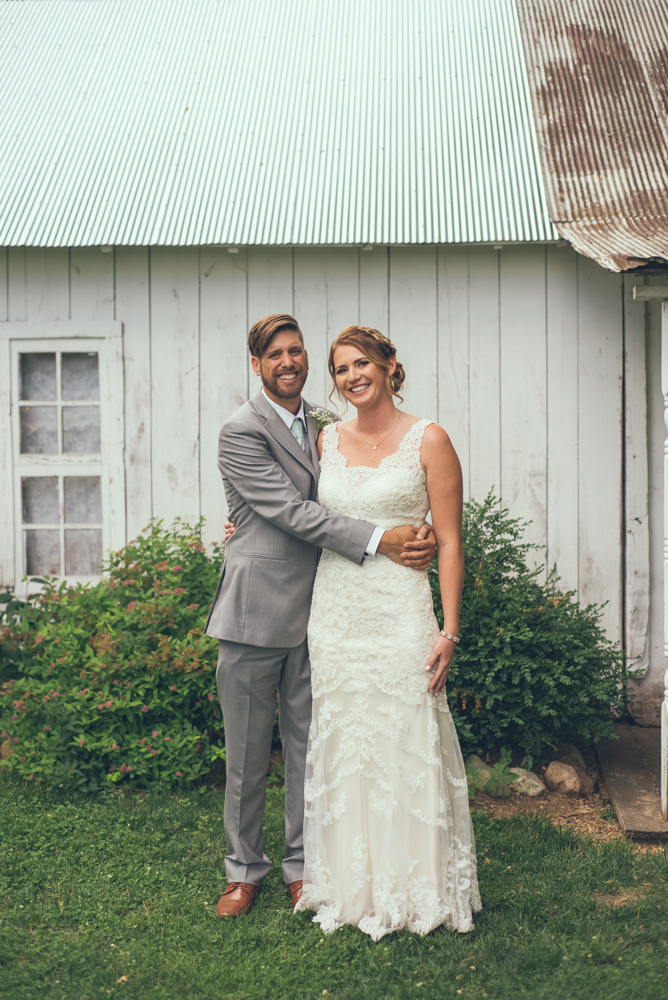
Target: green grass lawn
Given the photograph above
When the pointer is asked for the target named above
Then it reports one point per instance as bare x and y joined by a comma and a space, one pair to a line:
92, 890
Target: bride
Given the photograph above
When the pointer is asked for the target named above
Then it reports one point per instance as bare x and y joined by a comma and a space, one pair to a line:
388, 836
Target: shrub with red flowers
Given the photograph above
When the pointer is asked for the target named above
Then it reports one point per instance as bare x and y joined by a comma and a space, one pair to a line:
115, 682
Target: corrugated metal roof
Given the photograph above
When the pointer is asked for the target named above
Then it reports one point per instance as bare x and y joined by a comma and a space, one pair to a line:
598, 71
266, 122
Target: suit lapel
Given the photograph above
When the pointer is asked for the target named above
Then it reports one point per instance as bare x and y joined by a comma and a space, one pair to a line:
312, 433
281, 433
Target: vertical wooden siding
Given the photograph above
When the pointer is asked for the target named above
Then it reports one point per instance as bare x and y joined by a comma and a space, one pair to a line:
518, 353
650, 689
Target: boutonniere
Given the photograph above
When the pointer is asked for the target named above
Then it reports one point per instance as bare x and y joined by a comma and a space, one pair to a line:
322, 418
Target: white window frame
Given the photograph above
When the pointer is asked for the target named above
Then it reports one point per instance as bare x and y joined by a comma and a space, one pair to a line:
106, 339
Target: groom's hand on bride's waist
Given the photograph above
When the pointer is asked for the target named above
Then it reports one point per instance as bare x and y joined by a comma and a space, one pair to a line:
409, 546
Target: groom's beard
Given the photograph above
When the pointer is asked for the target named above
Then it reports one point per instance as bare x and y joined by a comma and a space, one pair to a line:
285, 390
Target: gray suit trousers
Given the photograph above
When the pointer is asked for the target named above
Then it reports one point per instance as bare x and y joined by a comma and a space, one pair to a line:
248, 678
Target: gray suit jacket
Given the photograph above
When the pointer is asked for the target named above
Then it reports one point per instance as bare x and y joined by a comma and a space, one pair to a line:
264, 594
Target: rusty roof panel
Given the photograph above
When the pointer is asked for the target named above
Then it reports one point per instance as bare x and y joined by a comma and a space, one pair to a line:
598, 75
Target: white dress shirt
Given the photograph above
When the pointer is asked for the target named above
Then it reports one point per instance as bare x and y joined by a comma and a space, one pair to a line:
288, 419
285, 415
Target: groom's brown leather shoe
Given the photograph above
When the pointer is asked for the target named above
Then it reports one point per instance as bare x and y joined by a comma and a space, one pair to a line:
237, 898
295, 890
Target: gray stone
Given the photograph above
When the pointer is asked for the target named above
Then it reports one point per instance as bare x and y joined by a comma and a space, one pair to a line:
527, 783
568, 754
571, 756
483, 774
474, 760
588, 782
562, 778
482, 771
500, 792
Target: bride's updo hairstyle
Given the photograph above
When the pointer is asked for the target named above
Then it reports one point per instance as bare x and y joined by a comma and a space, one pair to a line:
377, 348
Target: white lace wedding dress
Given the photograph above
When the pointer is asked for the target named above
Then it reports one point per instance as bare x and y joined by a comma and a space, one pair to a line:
388, 836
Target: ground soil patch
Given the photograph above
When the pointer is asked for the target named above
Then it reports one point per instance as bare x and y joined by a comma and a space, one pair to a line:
592, 816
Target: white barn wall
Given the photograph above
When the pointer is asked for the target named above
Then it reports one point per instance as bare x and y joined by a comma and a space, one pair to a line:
600, 316
454, 352
518, 353
484, 400
91, 285
413, 325
132, 303
47, 284
374, 287
563, 372
650, 689
175, 383
523, 384
16, 284
636, 480
223, 367
4, 282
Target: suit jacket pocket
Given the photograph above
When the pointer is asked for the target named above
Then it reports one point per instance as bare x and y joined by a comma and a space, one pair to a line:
268, 540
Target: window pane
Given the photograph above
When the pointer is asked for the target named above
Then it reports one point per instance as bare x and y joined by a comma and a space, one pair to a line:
39, 430
83, 552
83, 500
38, 376
81, 429
80, 377
43, 552
39, 495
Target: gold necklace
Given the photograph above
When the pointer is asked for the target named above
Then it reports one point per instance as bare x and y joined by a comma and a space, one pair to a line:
375, 446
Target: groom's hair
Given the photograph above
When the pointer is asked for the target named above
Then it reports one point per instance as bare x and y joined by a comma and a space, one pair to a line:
264, 329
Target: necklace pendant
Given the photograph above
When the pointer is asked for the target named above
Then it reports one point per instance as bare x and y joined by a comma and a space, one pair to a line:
374, 446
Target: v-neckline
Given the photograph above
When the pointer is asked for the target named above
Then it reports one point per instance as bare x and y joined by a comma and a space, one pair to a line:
380, 465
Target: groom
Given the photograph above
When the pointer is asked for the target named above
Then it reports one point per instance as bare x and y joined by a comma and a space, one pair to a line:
268, 459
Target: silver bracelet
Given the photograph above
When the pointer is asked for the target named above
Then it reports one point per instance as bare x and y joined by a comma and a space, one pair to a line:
449, 635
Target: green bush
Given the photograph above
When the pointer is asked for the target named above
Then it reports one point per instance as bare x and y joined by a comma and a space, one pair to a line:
534, 667
116, 682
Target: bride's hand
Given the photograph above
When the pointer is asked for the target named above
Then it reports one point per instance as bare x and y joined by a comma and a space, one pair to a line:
230, 528
440, 660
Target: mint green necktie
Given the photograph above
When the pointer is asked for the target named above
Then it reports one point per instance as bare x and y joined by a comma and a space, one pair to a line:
297, 429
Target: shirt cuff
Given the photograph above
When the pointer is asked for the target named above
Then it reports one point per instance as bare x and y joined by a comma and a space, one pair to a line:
374, 542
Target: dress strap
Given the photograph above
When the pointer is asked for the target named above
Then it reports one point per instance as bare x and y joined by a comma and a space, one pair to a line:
409, 450
418, 429
413, 440
329, 437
